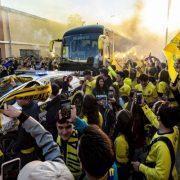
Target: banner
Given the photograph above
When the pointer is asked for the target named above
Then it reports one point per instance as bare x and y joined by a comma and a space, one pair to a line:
172, 52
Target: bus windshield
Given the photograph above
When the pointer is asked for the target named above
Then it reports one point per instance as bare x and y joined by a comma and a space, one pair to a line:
80, 46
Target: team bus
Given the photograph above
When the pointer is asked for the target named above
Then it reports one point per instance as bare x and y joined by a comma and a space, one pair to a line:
89, 46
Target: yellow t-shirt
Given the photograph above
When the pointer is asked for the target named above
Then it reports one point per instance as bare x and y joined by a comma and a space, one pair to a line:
121, 149
100, 119
162, 87
159, 152
160, 155
90, 85
124, 90
149, 92
133, 84
128, 81
111, 72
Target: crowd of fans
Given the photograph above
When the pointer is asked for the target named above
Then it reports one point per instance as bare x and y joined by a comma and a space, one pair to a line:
127, 129
9, 65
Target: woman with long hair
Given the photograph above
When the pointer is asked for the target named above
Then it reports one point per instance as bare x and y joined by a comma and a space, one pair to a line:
100, 88
91, 112
123, 143
101, 94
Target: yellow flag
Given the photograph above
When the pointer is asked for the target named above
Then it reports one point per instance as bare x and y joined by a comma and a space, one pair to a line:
172, 52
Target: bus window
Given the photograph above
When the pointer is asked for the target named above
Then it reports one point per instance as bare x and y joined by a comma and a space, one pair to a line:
81, 46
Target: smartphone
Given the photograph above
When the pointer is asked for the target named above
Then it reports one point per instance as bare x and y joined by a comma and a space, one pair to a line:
110, 94
121, 102
139, 97
102, 98
66, 109
10, 169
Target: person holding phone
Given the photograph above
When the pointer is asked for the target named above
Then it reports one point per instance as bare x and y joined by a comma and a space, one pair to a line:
70, 128
147, 88
160, 160
53, 167
101, 92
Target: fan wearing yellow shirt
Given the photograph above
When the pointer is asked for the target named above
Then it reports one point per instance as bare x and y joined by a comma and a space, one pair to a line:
133, 75
127, 80
91, 112
163, 89
124, 89
89, 82
160, 161
123, 143
148, 90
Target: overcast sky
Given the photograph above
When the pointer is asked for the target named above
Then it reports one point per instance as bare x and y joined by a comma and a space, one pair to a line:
102, 11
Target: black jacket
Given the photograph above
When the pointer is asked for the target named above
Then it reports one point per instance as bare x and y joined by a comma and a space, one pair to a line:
24, 139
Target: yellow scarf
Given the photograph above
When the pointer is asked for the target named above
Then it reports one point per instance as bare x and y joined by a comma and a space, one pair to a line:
72, 160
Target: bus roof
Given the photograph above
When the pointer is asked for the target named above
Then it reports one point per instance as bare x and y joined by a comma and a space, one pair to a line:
85, 29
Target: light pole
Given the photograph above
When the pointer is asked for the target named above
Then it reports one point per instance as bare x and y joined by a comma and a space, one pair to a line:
168, 12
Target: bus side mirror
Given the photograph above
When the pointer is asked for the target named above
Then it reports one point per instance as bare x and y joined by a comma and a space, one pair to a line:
51, 44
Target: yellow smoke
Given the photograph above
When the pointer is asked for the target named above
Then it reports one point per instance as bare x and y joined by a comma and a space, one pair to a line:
145, 41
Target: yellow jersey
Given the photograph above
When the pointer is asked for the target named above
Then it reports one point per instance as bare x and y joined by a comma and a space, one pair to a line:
128, 81
124, 90
159, 153
121, 149
149, 92
162, 87
89, 86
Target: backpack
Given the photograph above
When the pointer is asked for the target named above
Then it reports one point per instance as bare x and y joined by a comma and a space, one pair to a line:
171, 151
141, 176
